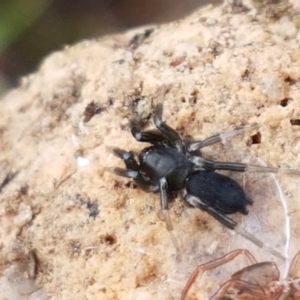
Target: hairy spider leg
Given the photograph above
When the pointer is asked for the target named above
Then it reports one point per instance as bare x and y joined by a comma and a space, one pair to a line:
228, 222
133, 171
127, 157
163, 188
196, 145
165, 133
214, 264
232, 166
171, 135
149, 136
237, 167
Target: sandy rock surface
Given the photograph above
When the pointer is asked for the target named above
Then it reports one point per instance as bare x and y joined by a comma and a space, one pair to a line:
71, 229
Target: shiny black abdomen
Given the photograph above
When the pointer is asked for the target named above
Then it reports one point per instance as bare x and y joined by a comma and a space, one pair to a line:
220, 192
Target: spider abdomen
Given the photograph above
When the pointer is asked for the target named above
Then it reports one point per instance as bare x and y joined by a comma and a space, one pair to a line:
220, 192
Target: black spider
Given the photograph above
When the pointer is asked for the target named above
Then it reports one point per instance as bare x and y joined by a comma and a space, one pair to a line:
174, 164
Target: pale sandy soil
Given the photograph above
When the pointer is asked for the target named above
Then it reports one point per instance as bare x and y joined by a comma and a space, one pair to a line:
93, 235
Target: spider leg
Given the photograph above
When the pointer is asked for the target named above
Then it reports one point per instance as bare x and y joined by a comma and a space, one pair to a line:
196, 202
150, 136
193, 146
248, 288
214, 264
163, 188
238, 167
165, 133
133, 170
127, 157
170, 134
